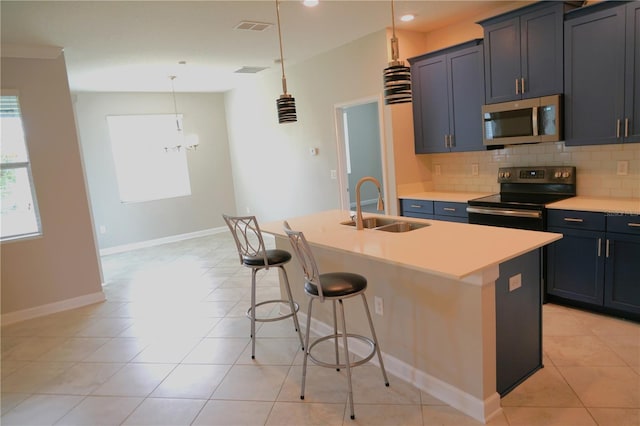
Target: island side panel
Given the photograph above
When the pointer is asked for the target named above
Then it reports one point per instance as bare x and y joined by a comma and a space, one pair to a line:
442, 328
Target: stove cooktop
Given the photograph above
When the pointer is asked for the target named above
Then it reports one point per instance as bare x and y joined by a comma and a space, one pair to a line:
531, 187
518, 199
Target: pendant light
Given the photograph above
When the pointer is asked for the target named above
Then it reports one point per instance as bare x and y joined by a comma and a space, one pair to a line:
397, 76
190, 141
286, 103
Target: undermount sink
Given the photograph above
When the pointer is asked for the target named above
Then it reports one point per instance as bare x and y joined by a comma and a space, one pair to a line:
402, 226
371, 222
387, 224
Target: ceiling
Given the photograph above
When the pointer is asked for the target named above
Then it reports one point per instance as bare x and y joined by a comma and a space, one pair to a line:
135, 46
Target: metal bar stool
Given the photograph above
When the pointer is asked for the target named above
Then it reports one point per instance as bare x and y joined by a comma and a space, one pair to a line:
334, 286
253, 254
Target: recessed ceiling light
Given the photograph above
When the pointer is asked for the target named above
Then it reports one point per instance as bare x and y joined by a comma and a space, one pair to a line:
310, 3
407, 18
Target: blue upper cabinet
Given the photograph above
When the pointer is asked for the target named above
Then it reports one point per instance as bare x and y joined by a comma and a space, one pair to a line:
523, 53
448, 93
602, 74
632, 74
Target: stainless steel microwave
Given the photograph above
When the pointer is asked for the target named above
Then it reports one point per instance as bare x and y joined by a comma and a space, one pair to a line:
526, 121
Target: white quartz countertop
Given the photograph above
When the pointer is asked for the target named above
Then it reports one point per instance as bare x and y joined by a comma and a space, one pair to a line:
458, 197
448, 249
605, 205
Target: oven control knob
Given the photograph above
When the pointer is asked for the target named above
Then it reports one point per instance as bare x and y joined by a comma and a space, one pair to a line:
501, 175
566, 174
558, 175
507, 174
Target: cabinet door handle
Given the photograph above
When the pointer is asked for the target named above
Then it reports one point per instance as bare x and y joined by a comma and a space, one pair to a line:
416, 206
618, 128
572, 219
599, 247
517, 86
449, 209
446, 142
626, 127
522, 85
634, 225
450, 141
607, 249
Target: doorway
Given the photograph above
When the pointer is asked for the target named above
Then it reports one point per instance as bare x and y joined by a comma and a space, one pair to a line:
360, 152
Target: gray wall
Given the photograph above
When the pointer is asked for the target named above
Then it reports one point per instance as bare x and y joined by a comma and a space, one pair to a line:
274, 175
62, 264
209, 168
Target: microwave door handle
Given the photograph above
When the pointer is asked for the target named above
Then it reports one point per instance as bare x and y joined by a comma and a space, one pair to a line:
534, 117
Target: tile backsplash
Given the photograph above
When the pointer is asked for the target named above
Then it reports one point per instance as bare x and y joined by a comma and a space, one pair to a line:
596, 167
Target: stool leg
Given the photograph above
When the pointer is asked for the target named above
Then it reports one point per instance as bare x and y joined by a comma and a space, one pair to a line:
347, 363
253, 313
375, 339
306, 348
335, 333
291, 304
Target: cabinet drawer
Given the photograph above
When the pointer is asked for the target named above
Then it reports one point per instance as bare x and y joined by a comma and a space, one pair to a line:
417, 206
628, 224
444, 208
576, 219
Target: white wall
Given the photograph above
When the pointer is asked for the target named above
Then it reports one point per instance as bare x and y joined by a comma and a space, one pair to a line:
274, 175
60, 268
209, 167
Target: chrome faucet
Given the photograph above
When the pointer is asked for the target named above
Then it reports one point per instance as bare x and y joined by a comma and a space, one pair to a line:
380, 206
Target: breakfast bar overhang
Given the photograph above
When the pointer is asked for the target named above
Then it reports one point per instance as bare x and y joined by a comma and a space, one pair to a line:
437, 285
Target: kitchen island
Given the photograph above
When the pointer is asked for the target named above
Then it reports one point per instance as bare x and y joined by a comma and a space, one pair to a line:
437, 284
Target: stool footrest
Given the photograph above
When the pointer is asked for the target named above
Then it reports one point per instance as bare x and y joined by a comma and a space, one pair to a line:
269, 319
340, 335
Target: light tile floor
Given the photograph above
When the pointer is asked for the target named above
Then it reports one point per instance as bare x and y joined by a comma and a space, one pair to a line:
170, 346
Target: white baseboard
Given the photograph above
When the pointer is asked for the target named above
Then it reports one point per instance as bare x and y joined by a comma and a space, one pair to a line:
164, 240
52, 308
481, 410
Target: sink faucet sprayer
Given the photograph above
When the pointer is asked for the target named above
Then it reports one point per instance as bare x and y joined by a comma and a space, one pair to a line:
380, 206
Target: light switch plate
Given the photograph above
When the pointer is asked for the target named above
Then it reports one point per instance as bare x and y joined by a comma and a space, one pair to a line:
474, 170
515, 282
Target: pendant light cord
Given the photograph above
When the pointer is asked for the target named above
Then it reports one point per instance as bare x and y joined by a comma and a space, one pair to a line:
175, 105
395, 54
284, 79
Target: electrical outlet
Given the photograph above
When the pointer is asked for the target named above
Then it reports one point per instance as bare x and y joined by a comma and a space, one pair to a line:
515, 282
623, 168
103, 229
248, 210
378, 305
334, 174
438, 170
474, 170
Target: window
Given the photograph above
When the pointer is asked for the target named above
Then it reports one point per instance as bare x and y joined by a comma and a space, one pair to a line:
148, 166
20, 218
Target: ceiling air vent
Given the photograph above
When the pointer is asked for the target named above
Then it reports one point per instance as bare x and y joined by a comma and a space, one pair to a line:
249, 70
252, 26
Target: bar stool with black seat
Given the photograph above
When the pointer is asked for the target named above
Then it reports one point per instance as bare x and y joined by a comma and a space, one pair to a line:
254, 254
334, 286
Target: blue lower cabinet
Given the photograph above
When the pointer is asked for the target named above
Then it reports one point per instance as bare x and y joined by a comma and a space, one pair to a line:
450, 211
597, 266
439, 210
575, 265
422, 209
622, 277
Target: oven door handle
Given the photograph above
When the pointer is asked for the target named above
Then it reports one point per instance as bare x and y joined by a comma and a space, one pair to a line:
536, 214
